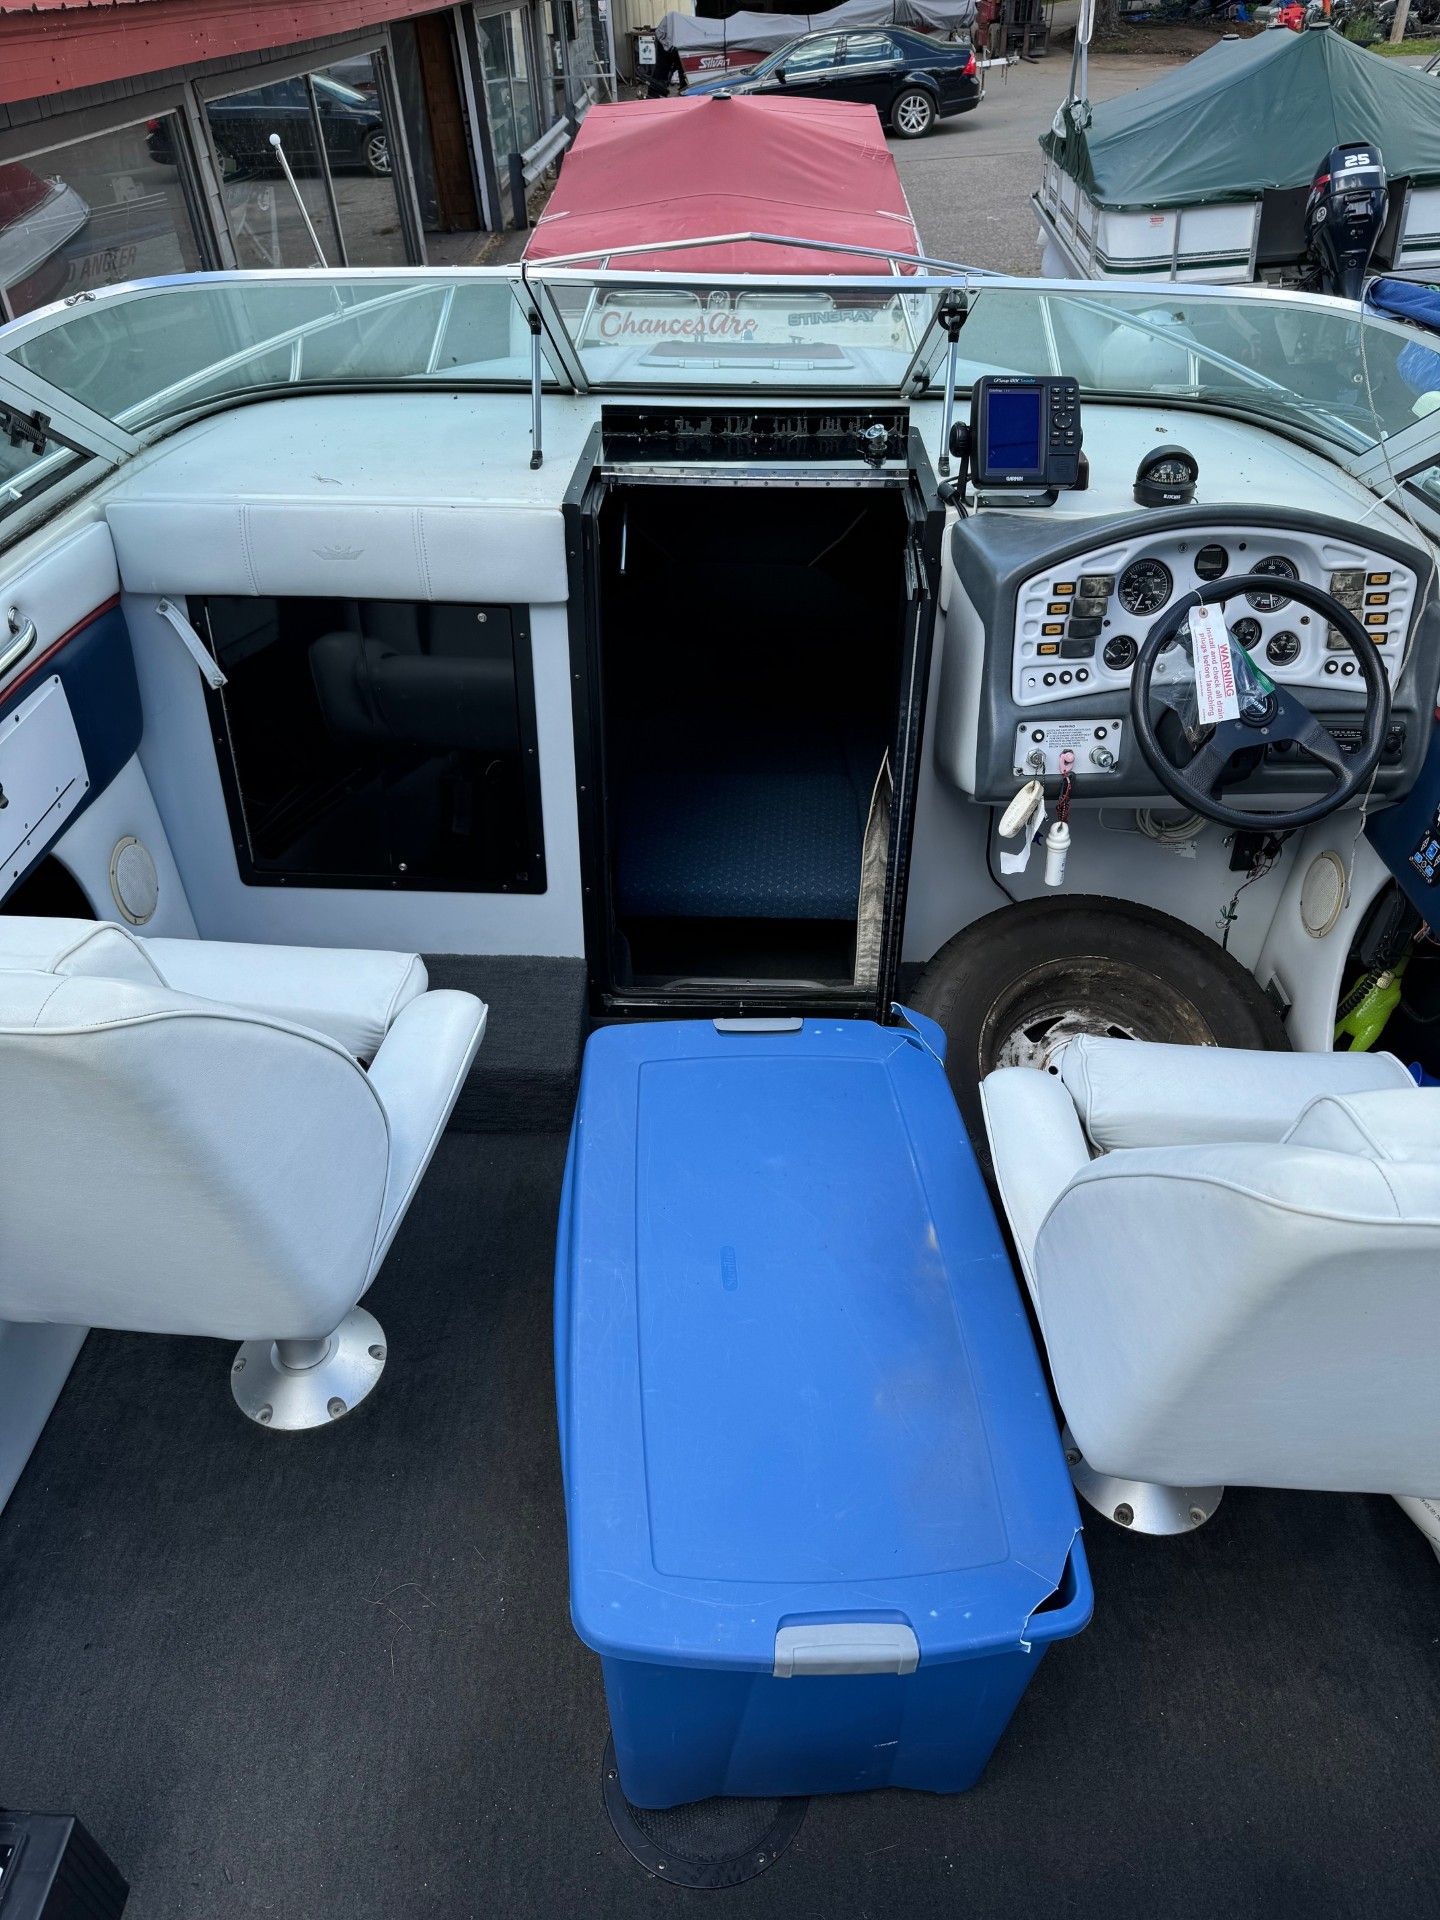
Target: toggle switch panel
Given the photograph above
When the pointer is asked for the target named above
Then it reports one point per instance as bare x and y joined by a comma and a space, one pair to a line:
1094, 743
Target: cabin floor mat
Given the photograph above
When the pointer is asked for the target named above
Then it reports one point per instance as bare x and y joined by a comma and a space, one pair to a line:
331, 1676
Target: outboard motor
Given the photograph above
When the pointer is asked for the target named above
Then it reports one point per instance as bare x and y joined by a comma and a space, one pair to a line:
1345, 216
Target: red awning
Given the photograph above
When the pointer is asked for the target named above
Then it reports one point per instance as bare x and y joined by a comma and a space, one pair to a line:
649, 170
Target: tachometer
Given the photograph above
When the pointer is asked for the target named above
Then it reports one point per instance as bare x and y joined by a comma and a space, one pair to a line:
1145, 586
1283, 569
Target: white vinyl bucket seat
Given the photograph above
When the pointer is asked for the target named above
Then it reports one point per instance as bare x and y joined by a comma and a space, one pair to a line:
190, 1144
1233, 1258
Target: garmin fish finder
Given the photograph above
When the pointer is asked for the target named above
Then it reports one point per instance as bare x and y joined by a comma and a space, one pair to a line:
1025, 435
1025, 432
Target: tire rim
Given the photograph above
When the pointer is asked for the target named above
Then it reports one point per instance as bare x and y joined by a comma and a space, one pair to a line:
1040, 1042
377, 153
1032, 1023
913, 113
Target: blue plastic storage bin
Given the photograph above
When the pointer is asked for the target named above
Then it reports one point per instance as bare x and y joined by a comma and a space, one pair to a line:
821, 1530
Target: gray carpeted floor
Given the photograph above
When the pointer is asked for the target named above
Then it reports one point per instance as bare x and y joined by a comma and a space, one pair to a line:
333, 1677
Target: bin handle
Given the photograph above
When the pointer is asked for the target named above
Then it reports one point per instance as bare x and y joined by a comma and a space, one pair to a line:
845, 1647
759, 1024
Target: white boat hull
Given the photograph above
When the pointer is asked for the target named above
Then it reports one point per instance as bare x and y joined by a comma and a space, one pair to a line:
1216, 244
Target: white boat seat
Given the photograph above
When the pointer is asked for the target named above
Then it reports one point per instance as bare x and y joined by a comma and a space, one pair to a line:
1232, 1257
177, 1164
350, 994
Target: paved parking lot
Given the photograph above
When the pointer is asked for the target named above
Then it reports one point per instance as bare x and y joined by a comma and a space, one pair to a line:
969, 181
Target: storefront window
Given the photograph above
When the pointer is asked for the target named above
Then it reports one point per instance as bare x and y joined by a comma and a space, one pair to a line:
509, 94
344, 176
92, 213
362, 162
266, 226
426, 63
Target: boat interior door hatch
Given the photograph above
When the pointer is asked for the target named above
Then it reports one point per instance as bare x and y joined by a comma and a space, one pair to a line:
750, 676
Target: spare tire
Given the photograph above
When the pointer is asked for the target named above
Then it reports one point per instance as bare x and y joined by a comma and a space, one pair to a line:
1015, 988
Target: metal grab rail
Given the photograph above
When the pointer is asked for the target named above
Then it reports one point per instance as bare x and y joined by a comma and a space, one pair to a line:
535, 159
527, 167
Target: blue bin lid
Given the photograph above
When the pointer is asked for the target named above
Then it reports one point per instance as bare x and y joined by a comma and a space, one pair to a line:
797, 1384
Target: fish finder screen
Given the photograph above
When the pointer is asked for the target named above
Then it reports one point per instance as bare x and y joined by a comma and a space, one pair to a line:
1013, 431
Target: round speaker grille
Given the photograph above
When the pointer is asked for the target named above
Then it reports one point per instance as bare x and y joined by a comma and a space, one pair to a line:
1322, 894
134, 883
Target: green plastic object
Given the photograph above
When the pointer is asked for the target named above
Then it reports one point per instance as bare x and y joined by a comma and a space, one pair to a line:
1367, 1007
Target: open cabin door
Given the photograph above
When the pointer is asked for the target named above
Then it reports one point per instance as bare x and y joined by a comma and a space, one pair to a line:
751, 629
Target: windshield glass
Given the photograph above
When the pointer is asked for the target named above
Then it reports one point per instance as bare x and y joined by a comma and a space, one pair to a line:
146, 356
141, 355
1318, 366
854, 331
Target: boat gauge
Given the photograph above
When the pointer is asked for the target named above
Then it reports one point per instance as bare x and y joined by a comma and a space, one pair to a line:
1145, 586
1283, 649
1212, 563
1120, 653
1283, 569
1246, 631
1166, 477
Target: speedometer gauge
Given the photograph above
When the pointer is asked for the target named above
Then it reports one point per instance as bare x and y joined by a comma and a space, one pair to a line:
1145, 586
1283, 569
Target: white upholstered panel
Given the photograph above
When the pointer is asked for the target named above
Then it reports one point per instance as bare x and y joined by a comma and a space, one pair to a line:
172, 1165
350, 995
1146, 1095
1383, 1126
382, 550
228, 1172
1257, 1315
56, 584
1235, 1306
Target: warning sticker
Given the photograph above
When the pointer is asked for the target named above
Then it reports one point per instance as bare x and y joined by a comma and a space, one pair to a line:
1216, 697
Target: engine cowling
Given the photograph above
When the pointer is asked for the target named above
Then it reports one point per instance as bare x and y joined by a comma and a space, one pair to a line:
1345, 215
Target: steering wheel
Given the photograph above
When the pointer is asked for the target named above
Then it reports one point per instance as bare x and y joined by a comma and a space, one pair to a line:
1275, 717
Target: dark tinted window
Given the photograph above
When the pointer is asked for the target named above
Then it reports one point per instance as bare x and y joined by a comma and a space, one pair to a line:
379, 743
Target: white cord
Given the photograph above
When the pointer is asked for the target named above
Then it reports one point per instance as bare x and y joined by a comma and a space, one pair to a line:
1170, 830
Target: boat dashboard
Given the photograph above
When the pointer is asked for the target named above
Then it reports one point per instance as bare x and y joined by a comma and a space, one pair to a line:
1049, 618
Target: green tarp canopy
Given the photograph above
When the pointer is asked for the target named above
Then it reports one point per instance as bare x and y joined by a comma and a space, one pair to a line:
1249, 115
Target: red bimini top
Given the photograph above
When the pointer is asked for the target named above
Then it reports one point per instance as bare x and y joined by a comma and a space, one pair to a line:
681, 169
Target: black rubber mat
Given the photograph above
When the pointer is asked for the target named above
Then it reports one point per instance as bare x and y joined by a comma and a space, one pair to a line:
707, 1844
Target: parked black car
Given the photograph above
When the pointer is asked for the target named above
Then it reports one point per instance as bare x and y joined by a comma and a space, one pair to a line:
241, 127
911, 80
